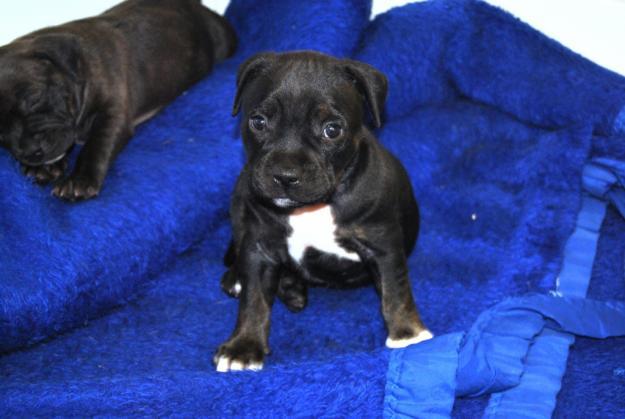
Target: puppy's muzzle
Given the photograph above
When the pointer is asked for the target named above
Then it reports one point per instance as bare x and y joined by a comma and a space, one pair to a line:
292, 184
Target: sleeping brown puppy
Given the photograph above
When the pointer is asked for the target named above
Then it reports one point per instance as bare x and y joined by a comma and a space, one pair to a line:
93, 81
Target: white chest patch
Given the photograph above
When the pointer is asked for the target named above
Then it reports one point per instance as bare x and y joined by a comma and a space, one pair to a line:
315, 227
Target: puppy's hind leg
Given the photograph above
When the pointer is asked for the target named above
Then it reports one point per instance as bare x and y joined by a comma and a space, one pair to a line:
292, 290
229, 283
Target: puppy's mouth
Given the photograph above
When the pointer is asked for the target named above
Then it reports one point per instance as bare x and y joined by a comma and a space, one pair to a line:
54, 160
285, 203
288, 202
289, 198
36, 163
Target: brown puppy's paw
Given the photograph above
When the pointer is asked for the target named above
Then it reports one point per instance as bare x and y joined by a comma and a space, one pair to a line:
239, 354
46, 174
76, 188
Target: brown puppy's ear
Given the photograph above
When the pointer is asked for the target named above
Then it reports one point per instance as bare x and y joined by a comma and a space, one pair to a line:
372, 84
61, 50
248, 71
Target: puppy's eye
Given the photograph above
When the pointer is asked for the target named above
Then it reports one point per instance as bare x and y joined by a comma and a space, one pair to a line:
258, 122
332, 131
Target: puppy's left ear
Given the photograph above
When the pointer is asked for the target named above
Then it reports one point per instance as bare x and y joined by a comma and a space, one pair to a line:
372, 84
61, 50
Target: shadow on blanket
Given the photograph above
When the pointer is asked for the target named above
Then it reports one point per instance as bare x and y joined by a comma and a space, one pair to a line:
494, 127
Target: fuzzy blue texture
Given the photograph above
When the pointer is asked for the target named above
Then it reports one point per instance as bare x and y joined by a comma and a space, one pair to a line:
495, 156
65, 263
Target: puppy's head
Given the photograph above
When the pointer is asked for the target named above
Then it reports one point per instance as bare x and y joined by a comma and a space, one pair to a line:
303, 122
40, 99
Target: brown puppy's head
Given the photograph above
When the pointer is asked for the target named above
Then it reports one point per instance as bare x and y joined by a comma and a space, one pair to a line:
303, 122
40, 98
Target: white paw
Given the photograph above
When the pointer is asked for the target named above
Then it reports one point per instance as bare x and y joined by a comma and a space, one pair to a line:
402, 343
225, 364
237, 288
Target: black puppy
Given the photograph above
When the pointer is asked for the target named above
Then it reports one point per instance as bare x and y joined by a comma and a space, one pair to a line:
93, 81
319, 200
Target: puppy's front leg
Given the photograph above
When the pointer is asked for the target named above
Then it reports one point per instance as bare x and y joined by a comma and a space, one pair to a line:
388, 266
257, 272
109, 134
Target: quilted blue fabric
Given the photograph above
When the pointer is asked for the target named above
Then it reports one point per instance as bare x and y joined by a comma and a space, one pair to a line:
494, 123
498, 353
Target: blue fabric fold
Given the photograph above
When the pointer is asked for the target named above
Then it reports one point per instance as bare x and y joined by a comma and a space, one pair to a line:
510, 66
518, 349
545, 363
605, 178
493, 355
424, 388
535, 395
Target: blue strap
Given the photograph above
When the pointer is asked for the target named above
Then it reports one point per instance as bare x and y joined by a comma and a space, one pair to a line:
581, 248
545, 365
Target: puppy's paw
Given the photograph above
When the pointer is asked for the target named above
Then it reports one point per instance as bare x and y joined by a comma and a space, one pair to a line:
403, 342
77, 188
230, 285
293, 293
239, 355
46, 174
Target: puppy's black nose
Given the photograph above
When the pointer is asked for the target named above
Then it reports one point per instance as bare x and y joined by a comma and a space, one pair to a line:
286, 178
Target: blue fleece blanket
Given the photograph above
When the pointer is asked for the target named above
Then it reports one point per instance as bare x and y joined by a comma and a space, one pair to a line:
494, 123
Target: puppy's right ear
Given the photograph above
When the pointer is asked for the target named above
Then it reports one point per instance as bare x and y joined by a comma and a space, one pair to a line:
248, 71
372, 84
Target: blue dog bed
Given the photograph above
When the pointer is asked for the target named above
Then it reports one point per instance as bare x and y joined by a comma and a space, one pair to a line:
112, 307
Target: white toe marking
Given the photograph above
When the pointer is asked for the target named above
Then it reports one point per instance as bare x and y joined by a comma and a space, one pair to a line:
402, 343
225, 364
236, 366
255, 366
237, 288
